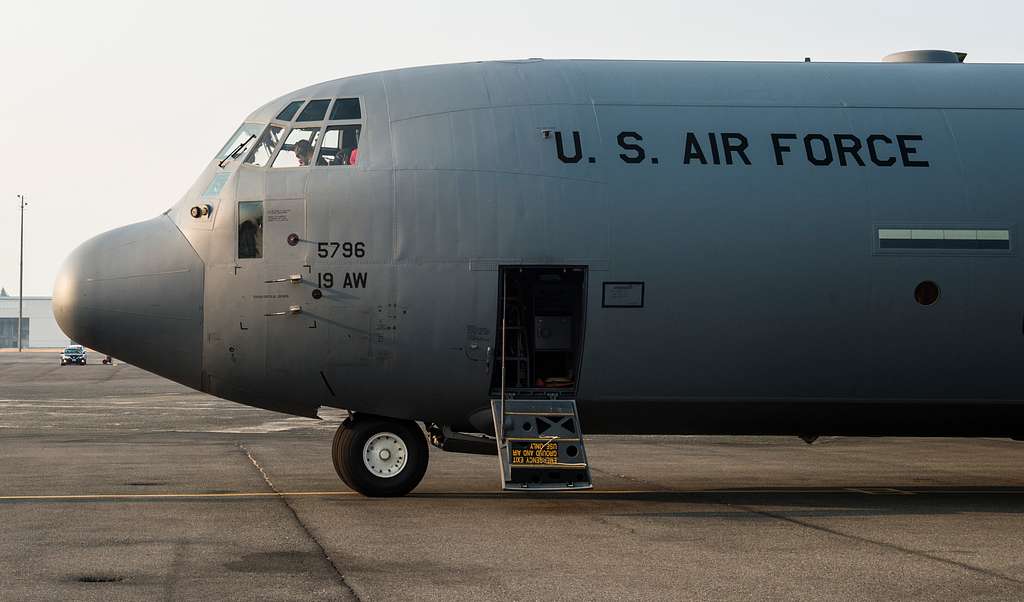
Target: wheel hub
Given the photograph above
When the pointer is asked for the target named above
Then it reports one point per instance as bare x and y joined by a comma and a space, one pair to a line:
385, 455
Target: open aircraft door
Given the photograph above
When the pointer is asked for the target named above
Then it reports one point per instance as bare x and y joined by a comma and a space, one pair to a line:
540, 326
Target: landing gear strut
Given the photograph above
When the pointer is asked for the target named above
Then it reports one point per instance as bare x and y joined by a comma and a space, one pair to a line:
380, 457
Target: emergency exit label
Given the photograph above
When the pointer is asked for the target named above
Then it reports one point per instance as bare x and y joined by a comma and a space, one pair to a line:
526, 453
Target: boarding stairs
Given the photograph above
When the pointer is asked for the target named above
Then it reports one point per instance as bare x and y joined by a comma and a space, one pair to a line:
540, 445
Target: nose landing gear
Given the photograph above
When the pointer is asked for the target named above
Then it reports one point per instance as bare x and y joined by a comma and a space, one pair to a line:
380, 457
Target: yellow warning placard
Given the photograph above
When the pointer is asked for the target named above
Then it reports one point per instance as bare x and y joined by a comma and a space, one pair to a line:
534, 452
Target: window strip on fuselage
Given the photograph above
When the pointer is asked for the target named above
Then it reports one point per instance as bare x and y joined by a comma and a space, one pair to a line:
335, 142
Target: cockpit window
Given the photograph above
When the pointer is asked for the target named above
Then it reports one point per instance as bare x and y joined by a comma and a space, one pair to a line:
298, 148
264, 150
250, 229
346, 108
315, 110
340, 145
288, 112
239, 142
276, 145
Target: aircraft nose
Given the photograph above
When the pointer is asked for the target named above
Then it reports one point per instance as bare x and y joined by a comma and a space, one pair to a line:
136, 293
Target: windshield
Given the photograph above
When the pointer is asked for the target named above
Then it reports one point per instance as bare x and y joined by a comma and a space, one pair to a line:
239, 141
73, 350
265, 147
298, 148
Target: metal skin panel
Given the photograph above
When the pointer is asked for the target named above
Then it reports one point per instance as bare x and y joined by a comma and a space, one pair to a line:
840, 85
136, 292
435, 91
534, 82
235, 342
766, 309
766, 268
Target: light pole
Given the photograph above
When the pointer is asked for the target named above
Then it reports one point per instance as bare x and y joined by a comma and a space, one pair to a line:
21, 266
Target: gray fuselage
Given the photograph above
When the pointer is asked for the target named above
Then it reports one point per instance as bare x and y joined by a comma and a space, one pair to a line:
771, 222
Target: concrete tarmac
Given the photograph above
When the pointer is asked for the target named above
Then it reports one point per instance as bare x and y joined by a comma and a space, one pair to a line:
117, 484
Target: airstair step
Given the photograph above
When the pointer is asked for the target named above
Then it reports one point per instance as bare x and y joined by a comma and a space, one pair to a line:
540, 444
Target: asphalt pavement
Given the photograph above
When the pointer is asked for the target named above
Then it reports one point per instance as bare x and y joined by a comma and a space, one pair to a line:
118, 484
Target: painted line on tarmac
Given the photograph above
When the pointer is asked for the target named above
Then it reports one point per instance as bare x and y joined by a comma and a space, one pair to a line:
144, 496
248, 494
529, 493
271, 494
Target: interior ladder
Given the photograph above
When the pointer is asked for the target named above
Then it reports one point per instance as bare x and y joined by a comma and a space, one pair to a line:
540, 445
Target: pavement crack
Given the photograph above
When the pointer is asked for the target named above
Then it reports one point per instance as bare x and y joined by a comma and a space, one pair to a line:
175, 575
634, 480
809, 525
891, 546
263, 473
302, 525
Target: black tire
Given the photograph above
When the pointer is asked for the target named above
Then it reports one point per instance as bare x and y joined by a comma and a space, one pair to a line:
347, 453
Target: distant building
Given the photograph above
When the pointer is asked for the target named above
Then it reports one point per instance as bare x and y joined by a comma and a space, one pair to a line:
38, 326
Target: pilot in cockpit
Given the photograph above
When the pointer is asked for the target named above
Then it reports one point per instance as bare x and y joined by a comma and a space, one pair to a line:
303, 152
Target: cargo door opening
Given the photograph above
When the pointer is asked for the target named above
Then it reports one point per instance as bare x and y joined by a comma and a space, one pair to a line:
540, 325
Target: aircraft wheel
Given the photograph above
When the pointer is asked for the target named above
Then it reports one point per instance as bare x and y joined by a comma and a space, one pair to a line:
380, 457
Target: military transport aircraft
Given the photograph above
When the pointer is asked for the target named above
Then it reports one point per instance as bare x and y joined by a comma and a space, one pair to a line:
517, 252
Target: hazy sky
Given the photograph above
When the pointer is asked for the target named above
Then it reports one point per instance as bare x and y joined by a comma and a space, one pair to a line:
109, 110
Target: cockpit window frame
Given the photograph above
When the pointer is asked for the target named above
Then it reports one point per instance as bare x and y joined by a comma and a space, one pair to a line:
327, 113
361, 122
308, 104
248, 156
334, 103
323, 136
224, 154
323, 124
295, 113
304, 125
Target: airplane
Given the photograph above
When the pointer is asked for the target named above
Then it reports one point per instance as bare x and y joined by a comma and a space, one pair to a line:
515, 253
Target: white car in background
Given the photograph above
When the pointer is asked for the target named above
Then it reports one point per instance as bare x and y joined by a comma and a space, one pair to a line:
73, 354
